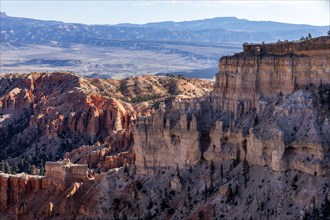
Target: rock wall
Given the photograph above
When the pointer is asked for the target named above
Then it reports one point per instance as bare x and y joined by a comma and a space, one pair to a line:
282, 88
242, 79
161, 141
267, 109
102, 157
284, 135
63, 173
122, 159
15, 187
60, 177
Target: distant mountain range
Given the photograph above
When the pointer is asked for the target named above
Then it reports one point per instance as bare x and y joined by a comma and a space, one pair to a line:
190, 48
229, 24
21, 31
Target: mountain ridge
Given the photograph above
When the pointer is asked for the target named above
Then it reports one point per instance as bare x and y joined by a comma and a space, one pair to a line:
223, 22
221, 29
220, 19
100, 50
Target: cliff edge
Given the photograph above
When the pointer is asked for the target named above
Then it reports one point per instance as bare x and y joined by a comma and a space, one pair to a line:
257, 147
269, 108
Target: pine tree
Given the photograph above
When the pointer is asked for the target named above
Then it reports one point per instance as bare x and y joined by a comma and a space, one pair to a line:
178, 171
29, 168
246, 170
42, 170
221, 171
125, 169
326, 207
2, 166
21, 165
309, 36
206, 191
7, 167
212, 167
315, 211
230, 196
15, 168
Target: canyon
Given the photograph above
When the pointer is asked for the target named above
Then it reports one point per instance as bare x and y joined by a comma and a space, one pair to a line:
256, 144
45, 115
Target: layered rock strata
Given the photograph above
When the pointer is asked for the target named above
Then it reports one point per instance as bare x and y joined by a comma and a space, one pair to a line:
61, 177
162, 141
47, 114
279, 68
266, 108
261, 151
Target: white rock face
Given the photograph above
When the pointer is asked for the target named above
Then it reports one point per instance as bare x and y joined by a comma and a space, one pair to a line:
159, 145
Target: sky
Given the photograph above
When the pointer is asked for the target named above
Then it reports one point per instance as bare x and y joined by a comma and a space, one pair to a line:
312, 12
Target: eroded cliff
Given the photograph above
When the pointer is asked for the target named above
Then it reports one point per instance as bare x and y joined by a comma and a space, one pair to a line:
258, 147
31, 196
45, 115
266, 108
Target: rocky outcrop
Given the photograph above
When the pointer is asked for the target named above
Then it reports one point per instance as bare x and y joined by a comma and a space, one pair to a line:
118, 160
45, 115
61, 178
166, 141
62, 174
283, 87
221, 190
246, 77
15, 187
101, 157
266, 108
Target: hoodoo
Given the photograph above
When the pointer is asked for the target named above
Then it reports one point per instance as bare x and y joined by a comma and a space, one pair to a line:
257, 146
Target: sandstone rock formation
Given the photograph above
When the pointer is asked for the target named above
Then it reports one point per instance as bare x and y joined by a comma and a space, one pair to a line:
219, 191
45, 115
279, 68
267, 108
163, 142
258, 147
61, 177
49, 114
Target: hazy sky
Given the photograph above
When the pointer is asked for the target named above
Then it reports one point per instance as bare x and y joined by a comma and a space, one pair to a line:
113, 12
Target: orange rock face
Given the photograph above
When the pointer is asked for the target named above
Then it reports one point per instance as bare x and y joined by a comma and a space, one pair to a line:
102, 156
15, 187
45, 115
61, 178
53, 113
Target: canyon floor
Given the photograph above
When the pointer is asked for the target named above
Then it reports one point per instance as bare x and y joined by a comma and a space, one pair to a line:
118, 62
